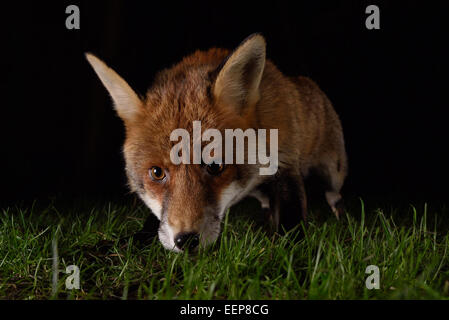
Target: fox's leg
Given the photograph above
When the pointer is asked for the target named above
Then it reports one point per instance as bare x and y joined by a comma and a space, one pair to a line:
334, 173
287, 199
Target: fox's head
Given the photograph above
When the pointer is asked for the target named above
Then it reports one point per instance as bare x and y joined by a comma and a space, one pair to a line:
216, 87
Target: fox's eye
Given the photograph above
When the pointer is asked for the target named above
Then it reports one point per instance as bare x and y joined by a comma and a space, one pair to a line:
215, 168
157, 174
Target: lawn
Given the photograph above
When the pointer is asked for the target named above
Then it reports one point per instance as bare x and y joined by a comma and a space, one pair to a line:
409, 245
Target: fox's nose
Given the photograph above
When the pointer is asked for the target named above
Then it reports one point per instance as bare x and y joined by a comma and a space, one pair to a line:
188, 240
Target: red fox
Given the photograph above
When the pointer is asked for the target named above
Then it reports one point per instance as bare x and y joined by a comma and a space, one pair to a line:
223, 89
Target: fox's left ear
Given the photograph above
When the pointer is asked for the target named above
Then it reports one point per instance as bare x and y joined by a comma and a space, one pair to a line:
126, 102
237, 83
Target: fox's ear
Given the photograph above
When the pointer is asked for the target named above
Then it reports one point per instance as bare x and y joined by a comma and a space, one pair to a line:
237, 83
126, 102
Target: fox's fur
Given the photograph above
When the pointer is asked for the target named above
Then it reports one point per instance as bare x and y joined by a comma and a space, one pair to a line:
226, 90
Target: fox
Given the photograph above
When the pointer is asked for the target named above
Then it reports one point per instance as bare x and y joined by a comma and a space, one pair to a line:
226, 90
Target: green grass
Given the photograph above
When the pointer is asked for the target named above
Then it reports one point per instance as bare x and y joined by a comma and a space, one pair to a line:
409, 247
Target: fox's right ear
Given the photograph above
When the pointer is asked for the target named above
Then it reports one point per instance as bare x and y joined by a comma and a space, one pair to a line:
126, 102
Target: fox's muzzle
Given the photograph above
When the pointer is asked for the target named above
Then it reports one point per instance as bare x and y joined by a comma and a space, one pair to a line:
187, 240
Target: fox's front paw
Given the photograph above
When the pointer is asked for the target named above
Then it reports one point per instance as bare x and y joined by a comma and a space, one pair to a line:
339, 208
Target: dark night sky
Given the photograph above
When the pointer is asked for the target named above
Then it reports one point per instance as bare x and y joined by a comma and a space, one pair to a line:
60, 135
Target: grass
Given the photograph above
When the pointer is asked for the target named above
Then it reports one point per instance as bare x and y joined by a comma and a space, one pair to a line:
409, 247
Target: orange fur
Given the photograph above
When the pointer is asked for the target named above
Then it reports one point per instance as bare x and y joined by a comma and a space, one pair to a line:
225, 91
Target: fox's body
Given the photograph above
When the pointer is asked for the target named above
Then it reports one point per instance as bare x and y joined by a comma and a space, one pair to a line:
226, 90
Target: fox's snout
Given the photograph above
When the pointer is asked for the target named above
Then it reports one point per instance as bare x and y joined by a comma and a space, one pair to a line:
187, 240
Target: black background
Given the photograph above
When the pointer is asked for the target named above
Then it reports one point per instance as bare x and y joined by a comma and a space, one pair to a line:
60, 136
